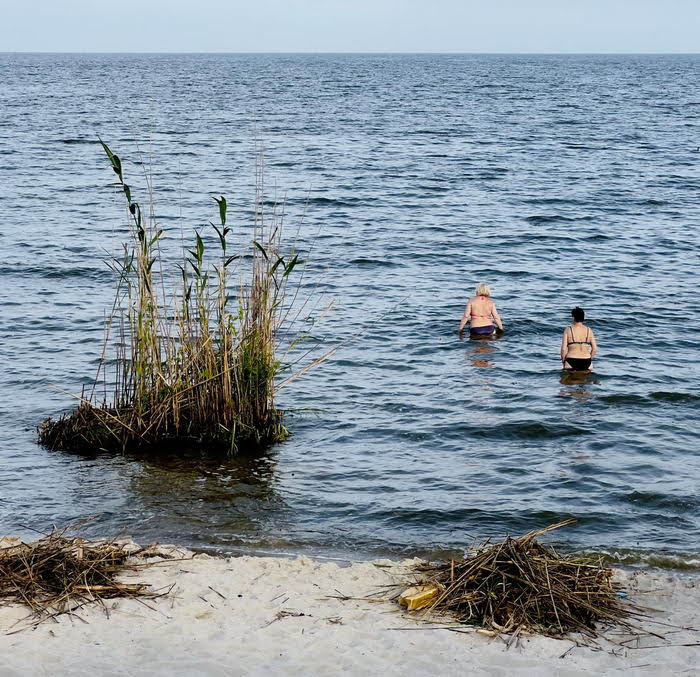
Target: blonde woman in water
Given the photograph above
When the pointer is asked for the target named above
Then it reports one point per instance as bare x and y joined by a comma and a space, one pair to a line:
578, 346
481, 314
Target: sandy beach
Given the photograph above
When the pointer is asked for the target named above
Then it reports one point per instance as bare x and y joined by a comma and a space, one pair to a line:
272, 616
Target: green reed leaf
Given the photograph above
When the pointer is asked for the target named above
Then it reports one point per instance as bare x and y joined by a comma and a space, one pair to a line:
261, 248
221, 201
292, 264
110, 154
155, 238
222, 237
117, 166
276, 265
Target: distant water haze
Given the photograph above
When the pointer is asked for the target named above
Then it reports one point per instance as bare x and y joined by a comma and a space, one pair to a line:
559, 180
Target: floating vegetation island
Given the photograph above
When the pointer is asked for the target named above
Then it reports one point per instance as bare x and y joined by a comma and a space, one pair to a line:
195, 363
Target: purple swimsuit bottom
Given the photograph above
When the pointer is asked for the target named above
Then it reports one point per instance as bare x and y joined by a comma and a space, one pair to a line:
482, 331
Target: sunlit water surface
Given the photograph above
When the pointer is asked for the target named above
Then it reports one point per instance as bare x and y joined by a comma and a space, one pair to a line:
560, 180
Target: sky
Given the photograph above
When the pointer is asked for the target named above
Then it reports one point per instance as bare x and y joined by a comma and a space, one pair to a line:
350, 26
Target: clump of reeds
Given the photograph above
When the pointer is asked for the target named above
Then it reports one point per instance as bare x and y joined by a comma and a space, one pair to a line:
520, 585
57, 574
195, 365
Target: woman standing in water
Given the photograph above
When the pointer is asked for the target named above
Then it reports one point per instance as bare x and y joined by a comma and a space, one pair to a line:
481, 314
578, 346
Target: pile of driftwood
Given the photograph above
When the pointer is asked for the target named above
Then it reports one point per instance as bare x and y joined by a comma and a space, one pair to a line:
520, 585
57, 574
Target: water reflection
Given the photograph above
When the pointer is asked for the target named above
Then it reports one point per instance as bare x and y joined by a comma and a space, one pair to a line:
480, 355
577, 383
210, 500
198, 499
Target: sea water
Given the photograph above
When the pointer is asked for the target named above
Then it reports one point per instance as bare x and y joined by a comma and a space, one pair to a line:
559, 180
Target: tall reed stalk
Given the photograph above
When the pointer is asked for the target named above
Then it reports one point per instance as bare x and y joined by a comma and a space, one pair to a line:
195, 366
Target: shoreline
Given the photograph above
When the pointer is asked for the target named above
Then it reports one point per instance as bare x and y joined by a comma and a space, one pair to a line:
248, 615
631, 560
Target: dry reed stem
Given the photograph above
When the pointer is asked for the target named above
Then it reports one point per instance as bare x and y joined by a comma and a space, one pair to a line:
56, 574
195, 367
520, 585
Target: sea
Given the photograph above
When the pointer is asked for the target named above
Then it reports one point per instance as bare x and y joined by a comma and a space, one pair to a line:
405, 180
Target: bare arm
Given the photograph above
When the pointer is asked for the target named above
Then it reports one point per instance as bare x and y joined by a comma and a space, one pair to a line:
496, 316
466, 316
594, 345
564, 347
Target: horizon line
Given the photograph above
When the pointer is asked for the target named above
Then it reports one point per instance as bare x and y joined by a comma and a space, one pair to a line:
369, 53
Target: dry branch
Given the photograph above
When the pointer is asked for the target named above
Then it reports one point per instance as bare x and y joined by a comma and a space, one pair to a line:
520, 585
57, 574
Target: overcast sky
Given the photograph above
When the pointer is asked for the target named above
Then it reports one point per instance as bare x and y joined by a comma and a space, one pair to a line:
350, 26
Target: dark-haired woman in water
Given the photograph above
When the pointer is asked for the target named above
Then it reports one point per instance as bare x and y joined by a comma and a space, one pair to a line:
578, 346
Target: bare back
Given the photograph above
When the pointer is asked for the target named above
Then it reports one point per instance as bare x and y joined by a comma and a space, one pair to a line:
578, 341
481, 310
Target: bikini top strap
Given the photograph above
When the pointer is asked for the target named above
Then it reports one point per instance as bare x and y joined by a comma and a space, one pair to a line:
588, 332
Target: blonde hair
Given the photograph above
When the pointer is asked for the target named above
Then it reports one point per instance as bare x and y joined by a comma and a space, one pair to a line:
482, 289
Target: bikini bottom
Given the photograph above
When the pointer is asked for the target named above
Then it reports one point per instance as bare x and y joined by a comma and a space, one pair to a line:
482, 331
579, 363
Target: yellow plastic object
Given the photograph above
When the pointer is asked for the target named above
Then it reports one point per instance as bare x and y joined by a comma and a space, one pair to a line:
418, 596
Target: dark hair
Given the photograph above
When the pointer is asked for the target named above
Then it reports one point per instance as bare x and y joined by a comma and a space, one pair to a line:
578, 314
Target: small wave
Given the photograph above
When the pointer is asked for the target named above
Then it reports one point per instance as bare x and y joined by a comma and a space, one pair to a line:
583, 146
624, 398
528, 238
429, 132
552, 201
58, 273
662, 396
348, 202
654, 560
661, 501
525, 430
634, 398
372, 262
540, 219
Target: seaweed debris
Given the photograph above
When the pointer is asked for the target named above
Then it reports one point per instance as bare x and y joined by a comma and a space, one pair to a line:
57, 574
520, 585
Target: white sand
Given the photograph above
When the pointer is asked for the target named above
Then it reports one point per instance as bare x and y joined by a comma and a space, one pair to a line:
275, 616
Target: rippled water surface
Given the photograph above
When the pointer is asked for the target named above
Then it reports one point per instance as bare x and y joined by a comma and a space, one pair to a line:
560, 180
